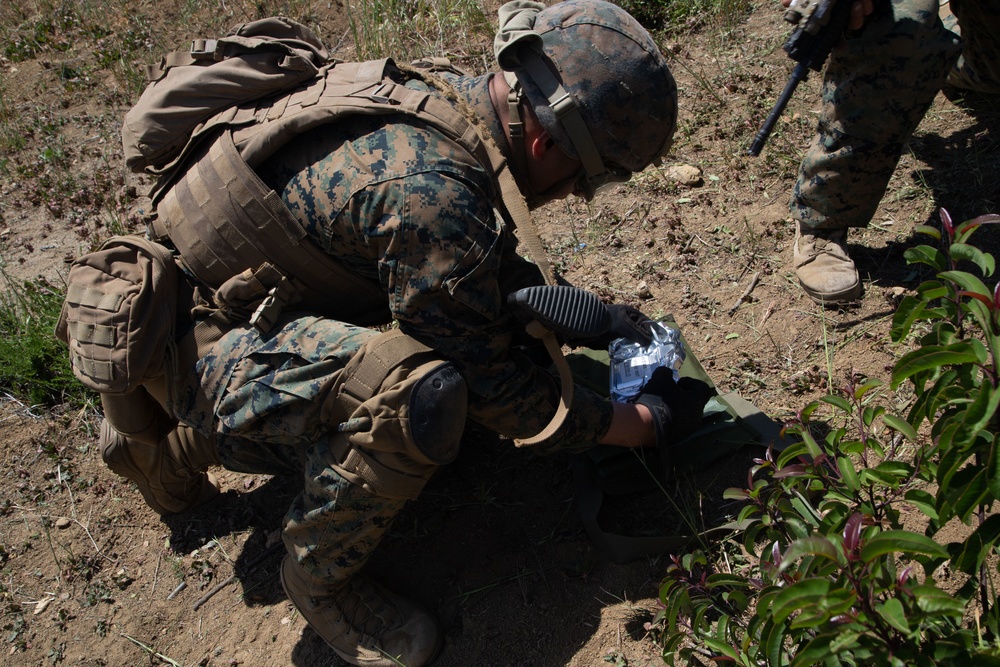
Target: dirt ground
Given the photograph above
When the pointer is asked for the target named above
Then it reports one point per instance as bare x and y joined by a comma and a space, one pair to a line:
495, 546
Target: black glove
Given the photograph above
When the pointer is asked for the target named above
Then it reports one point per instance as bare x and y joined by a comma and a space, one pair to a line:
676, 405
626, 322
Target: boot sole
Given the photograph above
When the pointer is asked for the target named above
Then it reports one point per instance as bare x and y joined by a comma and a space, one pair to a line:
833, 298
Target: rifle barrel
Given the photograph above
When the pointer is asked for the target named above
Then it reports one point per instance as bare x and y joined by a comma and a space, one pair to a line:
799, 75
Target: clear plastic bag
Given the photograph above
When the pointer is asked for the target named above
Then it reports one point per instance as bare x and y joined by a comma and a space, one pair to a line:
632, 364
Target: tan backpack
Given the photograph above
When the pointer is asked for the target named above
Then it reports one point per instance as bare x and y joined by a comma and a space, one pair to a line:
256, 60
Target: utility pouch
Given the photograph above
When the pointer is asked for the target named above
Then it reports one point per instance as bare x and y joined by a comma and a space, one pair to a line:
119, 314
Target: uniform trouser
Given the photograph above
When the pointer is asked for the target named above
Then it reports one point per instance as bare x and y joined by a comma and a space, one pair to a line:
276, 405
877, 87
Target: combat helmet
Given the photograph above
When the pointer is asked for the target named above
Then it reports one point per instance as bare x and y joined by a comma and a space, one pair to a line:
596, 80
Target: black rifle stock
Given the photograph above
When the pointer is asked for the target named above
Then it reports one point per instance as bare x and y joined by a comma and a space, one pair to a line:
820, 26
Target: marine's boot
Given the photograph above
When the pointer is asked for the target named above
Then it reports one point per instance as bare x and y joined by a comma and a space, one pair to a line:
823, 267
171, 475
363, 622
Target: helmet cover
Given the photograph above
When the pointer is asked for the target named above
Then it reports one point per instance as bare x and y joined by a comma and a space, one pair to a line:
611, 67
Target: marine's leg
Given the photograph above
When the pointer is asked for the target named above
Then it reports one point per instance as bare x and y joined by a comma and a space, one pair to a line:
978, 69
167, 461
373, 415
877, 87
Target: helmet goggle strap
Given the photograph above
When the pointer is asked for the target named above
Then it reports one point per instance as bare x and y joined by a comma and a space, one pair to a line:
595, 174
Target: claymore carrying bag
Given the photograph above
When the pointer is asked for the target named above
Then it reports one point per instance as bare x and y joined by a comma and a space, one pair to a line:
118, 316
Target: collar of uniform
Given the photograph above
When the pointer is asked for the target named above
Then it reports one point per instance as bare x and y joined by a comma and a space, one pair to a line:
475, 91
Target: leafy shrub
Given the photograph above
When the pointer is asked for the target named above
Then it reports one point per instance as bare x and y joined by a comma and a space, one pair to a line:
836, 575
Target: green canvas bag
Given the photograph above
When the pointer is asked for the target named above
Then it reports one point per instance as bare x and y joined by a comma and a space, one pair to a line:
729, 423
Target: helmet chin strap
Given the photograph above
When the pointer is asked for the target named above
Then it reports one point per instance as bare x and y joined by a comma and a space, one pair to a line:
567, 114
519, 156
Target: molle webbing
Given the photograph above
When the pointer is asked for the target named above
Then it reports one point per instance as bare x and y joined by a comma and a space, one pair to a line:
221, 236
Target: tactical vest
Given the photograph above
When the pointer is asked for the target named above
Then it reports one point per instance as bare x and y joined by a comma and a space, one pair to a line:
251, 229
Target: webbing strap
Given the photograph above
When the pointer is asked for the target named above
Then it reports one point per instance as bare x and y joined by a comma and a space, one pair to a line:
83, 295
222, 236
378, 478
96, 334
100, 370
548, 337
380, 357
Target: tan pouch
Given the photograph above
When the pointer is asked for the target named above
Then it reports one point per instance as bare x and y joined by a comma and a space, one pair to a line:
119, 313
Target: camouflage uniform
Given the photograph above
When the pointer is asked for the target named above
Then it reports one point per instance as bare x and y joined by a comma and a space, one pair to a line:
877, 87
408, 210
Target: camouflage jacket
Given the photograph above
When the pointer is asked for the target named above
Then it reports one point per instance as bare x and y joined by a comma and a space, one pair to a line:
411, 211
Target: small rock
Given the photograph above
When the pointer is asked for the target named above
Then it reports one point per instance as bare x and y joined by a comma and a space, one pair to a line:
642, 290
685, 174
63, 523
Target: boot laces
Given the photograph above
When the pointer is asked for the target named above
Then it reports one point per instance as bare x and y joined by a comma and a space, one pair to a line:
830, 242
365, 610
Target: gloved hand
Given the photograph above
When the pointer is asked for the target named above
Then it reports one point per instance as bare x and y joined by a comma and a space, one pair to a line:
626, 322
676, 405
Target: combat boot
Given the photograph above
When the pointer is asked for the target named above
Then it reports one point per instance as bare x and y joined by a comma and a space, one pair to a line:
171, 475
823, 267
364, 623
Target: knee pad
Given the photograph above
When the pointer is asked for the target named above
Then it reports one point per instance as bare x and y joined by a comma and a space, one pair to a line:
397, 412
438, 406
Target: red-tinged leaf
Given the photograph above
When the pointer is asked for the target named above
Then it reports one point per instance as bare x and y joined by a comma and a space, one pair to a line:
996, 297
904, 576
947, 223
794, 470
852, 531
735, 494
978, 297
966, 281
964, 227
725, 651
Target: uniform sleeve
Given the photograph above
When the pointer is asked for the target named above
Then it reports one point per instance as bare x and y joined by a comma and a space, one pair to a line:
446, 263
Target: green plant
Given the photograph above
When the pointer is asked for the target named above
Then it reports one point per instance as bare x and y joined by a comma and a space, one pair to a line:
678, 16
841, 574
34, 364
410, 29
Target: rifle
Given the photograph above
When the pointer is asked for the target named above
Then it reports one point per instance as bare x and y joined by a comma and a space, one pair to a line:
821, 25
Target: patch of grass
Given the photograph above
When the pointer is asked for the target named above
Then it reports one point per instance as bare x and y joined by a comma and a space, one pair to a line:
407, 30
673, 16
34, 364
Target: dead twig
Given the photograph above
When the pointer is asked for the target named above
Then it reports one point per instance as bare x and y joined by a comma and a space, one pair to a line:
767, 313
152, 652
746, 293
249, 568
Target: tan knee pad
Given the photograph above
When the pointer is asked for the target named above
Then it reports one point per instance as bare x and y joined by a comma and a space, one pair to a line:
400, 412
